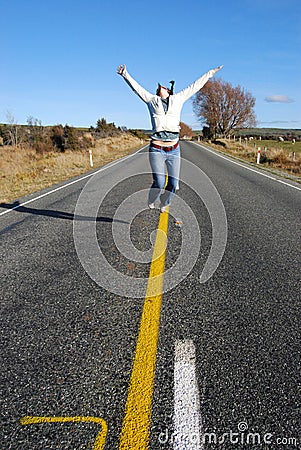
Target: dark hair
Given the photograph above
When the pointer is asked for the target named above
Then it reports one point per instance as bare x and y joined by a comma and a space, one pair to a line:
158, 89
170, 91
171, 87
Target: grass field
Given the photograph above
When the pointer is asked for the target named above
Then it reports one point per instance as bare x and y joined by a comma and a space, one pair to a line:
286, 146
285, 156
24, 171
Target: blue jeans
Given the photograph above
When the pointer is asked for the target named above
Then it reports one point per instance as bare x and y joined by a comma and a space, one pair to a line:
158, 160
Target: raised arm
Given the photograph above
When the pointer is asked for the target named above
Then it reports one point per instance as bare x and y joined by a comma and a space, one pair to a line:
198, 84
139, 90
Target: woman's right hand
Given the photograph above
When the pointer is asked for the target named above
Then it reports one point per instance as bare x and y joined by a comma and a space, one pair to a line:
217, 69
121, 69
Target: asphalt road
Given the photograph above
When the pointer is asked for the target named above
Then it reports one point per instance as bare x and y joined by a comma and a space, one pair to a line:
68, 337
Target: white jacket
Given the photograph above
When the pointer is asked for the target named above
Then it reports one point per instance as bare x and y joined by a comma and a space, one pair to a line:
169, 120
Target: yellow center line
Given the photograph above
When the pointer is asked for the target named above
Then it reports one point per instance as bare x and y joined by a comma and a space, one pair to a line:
100, 439
135, 431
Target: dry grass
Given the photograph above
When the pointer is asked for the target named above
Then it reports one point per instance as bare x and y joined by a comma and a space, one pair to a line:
23, 171
279, 155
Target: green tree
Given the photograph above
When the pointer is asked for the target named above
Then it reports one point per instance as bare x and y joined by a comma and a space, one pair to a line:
71, 138
104, 129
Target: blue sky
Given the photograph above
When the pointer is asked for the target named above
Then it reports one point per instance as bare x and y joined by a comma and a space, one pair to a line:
58, 59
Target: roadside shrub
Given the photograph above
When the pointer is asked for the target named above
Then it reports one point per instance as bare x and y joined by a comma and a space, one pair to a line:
139, 134
57, 137
104, 129
220, 142
3, 134
71, 139
42, 146
280, 157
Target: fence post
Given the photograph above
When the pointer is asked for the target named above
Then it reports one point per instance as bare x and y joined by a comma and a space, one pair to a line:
258, 155
91, 158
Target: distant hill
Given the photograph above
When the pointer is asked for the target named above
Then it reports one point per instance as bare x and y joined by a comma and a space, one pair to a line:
265, 133
270, 133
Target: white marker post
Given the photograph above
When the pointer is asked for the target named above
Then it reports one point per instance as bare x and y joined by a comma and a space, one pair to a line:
258, 155
91, 158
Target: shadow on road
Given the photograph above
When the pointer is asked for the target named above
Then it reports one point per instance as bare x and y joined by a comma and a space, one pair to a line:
56, 214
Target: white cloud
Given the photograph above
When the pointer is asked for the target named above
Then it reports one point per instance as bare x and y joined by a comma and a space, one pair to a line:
278, 99
273, 122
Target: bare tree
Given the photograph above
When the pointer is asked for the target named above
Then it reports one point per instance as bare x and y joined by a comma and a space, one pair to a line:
13, 130
185, 130
224, 108
35, 130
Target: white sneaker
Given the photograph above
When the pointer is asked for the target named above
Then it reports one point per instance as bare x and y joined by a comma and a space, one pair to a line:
151, 206
163, 209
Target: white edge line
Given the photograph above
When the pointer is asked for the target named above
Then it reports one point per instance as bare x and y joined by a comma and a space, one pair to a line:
246, 167
113, 163
187, 417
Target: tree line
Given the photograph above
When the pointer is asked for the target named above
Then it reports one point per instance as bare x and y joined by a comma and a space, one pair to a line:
53, 138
